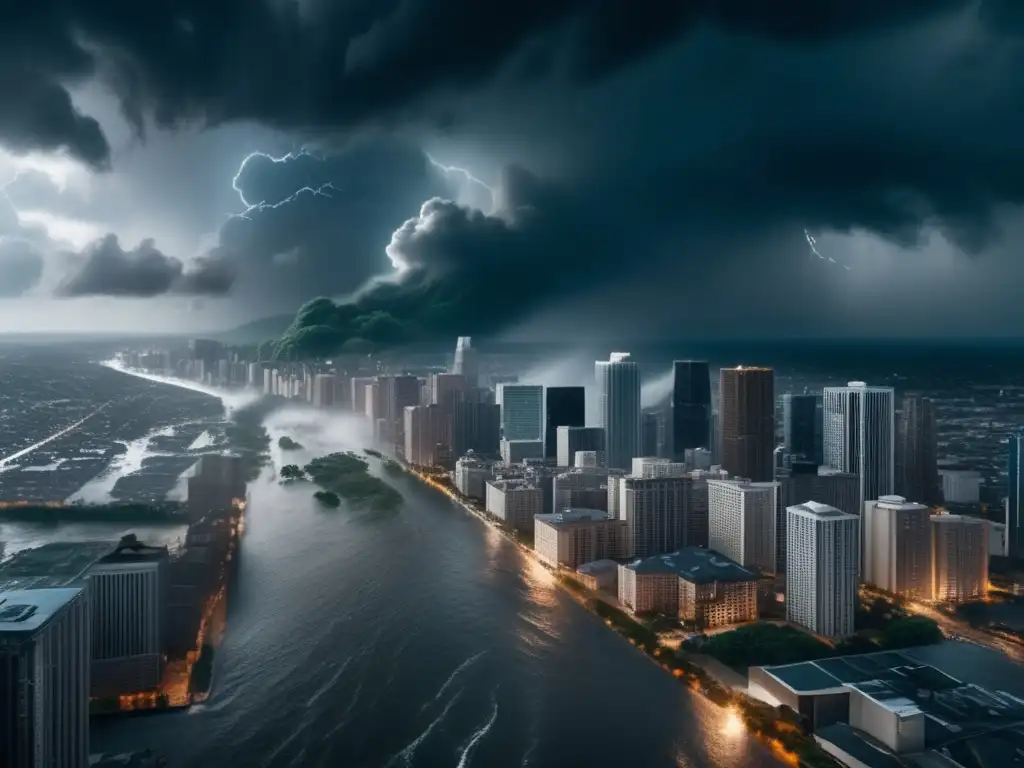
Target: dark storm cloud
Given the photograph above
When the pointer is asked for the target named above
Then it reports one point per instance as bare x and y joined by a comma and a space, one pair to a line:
319, 66
104, 268
21, 267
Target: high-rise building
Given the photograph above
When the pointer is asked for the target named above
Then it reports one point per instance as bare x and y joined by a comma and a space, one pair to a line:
655, 511
917, 463
323, 390
425, 434
742, 521
822, 564
518, 451
960, 485
446, 389
1015, 496
581, 488
650, 425
747, 405
466, 362
858, 425
618, 388
566, 407
471, 476
395, 394
806, 481
959, 558
128, 591
476, 426
44, 678
359, 385
801, 426
515, 502
522, 411
898, 547
569, 440
691, 406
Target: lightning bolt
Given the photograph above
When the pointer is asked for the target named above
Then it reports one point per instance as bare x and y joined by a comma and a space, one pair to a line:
813, 244
464, 173
263, 205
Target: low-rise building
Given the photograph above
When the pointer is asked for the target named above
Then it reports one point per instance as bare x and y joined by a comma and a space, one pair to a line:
696, 585
576, 536
515, 502
471, 476
599, 575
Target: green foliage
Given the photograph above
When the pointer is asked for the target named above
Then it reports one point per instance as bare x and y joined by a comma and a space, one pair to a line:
346, 475
285, 443
291, 472
328, 499
911, 631
248, 437
755, 645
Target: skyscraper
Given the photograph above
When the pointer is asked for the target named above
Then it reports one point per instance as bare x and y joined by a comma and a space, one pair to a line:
44, 678
522, 411
822, 564
917, 463
618, 388
959, 558
801, 426
742, 520
649, 427
466, 362
898, 547
1015, 497
691, 406
858, 424
655, 511
747, 405
569, 440
566, 407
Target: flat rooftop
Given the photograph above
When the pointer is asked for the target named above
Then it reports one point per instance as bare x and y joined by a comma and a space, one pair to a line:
694, 564
60, 564
574, 515
25, 611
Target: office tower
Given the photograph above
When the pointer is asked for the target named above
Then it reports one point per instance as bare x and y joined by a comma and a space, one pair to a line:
917, 463
128, 591
960, 485
476, 426
618, 389
959, 558
396, 393
518, 451
697, 458
522, 411
580, 489
801, 426
823, 546
44, 678
697, 506
742, 521
371, 401
268, 381
425, 435
205, 350
691, 406
323, 390
649, 427
569, 440
655, 512
571, 537
1015, 496
898, 547
446, 389
254, 375
466, 362
858, 424
359, 385
566, 407
651, 466
806, 481
747, 405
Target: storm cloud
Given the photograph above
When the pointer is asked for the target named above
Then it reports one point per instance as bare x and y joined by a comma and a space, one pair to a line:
21, 267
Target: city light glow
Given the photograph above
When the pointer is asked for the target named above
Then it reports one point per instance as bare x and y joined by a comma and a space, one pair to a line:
732, 725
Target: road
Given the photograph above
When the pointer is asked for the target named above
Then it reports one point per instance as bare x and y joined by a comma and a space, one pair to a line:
951, 626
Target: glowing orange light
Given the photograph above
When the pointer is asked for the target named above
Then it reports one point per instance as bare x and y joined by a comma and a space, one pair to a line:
733, 725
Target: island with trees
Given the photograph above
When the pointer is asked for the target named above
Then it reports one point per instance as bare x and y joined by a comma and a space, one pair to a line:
291, 473
328, 499
347, 475
285, 443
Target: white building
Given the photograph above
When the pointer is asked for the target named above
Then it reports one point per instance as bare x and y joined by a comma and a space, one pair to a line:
618, 397
268, 381
589, 459
698, 458
446, 389
522, 411
44, 678
653, 466
961, 486
573, 537
323, 390
655, 511
128, 605
898, 547
471, 476
858, 428
358, 389
996, 539
742, 520
423, 432
571, 440
822, 564
515, 502
960, 558
466, 362
518, 451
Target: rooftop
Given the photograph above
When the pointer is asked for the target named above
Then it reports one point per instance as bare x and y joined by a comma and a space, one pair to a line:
817, 510
25, 611
60, 564
958, 519
694, 564
598, 566
131, 550
575, 515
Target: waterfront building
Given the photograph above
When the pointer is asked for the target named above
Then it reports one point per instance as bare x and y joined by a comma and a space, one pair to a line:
128, 591
515, 502
216, 486
268, 381
566, 407
822, 567
396, 393
960, 485
254, 375
651, 466
916, 453
471, 476
698, 586
742, 520
656, 513
44, 678
522, 411
618, 388
806, 481
691, 407
518, 451
801, 426
600, 575
466, 361
569, 440
898, 547
571, 537
858, 424
323, 390
747, 406
425, 435
959, 558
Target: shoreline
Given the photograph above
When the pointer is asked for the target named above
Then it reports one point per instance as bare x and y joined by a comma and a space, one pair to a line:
784, 738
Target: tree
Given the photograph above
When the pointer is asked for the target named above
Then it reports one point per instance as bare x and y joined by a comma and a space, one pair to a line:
911, 631
292, 472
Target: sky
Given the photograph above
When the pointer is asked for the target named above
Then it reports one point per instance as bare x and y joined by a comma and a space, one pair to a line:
545, 169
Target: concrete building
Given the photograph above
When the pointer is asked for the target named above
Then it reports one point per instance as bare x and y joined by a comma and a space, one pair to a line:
742, 520
801, 426
696, 585
358, 387
916, 453
996, 539
898, 547
599, 575
960, 485
691, 407
655, 510
697, 458
573, 537
1015, 495
805, 481
959, 558
515, 502
128, 592
518, 451
565, 407
446, 389
747, 407
476, 426
471, 476
652, 466
589, 460
268, 381
323, 390
522, 411
425, 435
569, 440
822, 565
44, 678
581, 488
466, 361
618, 397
